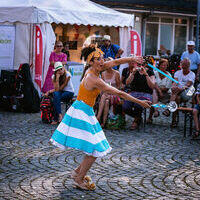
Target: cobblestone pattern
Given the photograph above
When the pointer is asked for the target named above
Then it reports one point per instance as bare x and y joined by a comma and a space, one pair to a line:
157, 163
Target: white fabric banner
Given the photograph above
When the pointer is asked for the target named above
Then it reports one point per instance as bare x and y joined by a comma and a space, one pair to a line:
49, 39
125, 44
7, 46
22, 45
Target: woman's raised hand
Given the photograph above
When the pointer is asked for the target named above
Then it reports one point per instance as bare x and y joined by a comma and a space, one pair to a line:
143, 71
146, 103
138, 59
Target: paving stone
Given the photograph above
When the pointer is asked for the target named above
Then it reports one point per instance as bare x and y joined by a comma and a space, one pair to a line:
155, 163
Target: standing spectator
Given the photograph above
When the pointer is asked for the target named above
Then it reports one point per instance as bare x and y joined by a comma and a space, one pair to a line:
161, 91
139, 82
185, 78
55, 56
66, 51
111, 50
194, 58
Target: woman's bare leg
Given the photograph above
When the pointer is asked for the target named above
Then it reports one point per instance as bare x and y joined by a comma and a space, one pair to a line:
154, 100
84, 168
106, 110
196, 120
101, 107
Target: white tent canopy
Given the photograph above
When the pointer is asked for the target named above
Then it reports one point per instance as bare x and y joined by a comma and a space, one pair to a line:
62, 11
24, 15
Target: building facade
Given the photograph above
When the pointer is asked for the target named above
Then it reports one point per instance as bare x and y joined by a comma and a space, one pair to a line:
164, 26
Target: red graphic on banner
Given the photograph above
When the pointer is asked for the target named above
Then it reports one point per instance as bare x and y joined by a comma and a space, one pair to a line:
38, 56
136, 45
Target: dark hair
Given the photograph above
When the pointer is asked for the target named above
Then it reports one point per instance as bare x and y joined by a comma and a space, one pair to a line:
149, 59
61, 78
85, 52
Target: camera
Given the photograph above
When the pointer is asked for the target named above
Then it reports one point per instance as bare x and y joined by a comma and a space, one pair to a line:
138, 69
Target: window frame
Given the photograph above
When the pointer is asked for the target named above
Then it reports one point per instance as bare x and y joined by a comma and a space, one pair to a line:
174, 24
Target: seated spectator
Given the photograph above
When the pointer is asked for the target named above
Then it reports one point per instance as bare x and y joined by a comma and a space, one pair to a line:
161, 91
139, 82
112, 77
196, 110
63, 89
185, 78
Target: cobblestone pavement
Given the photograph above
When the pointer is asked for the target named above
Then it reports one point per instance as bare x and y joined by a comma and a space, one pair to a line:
156, 163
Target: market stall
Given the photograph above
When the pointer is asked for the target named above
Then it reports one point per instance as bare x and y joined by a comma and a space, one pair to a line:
30, 38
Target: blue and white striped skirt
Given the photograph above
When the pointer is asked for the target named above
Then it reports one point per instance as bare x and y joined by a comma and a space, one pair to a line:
81, 130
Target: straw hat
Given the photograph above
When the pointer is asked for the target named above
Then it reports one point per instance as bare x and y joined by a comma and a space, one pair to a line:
57, 66
106, 37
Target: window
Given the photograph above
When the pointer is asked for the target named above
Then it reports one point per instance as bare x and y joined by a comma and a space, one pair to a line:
166, 32
153, 19
180, 21
180, 39
151, 39
166, 35
167, 20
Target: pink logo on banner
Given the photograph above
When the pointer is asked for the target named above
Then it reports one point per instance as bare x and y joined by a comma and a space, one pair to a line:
136, 45
38, 56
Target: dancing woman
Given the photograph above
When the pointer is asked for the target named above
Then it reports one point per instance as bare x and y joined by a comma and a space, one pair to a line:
79, 128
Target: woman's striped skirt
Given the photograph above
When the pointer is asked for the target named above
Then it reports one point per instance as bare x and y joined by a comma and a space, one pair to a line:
81, 130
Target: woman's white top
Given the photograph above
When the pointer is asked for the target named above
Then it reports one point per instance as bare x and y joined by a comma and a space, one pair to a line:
163, 83
69, 87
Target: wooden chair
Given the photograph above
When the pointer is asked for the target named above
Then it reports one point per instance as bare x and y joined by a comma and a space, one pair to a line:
188, 117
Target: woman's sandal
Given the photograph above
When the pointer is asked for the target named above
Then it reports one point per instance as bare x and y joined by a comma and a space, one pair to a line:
196, 135
166, 113
54, 122
84, 186
86, 178
136, 123
156, 113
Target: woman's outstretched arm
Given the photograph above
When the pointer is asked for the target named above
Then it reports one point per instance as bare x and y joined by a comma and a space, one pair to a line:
119, 61
101, 85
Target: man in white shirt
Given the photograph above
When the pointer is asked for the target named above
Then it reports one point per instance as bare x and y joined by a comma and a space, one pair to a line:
185, 78
194, 58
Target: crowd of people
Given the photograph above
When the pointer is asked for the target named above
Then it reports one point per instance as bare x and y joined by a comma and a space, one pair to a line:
138, 80
138, 87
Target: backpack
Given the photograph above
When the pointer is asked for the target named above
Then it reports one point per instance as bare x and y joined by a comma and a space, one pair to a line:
116, 122
47, 109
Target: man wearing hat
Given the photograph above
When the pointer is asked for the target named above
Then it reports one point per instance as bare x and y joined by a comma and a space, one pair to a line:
111, 50
194, 58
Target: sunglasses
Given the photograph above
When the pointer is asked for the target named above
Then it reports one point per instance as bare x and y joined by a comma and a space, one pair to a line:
59, 46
